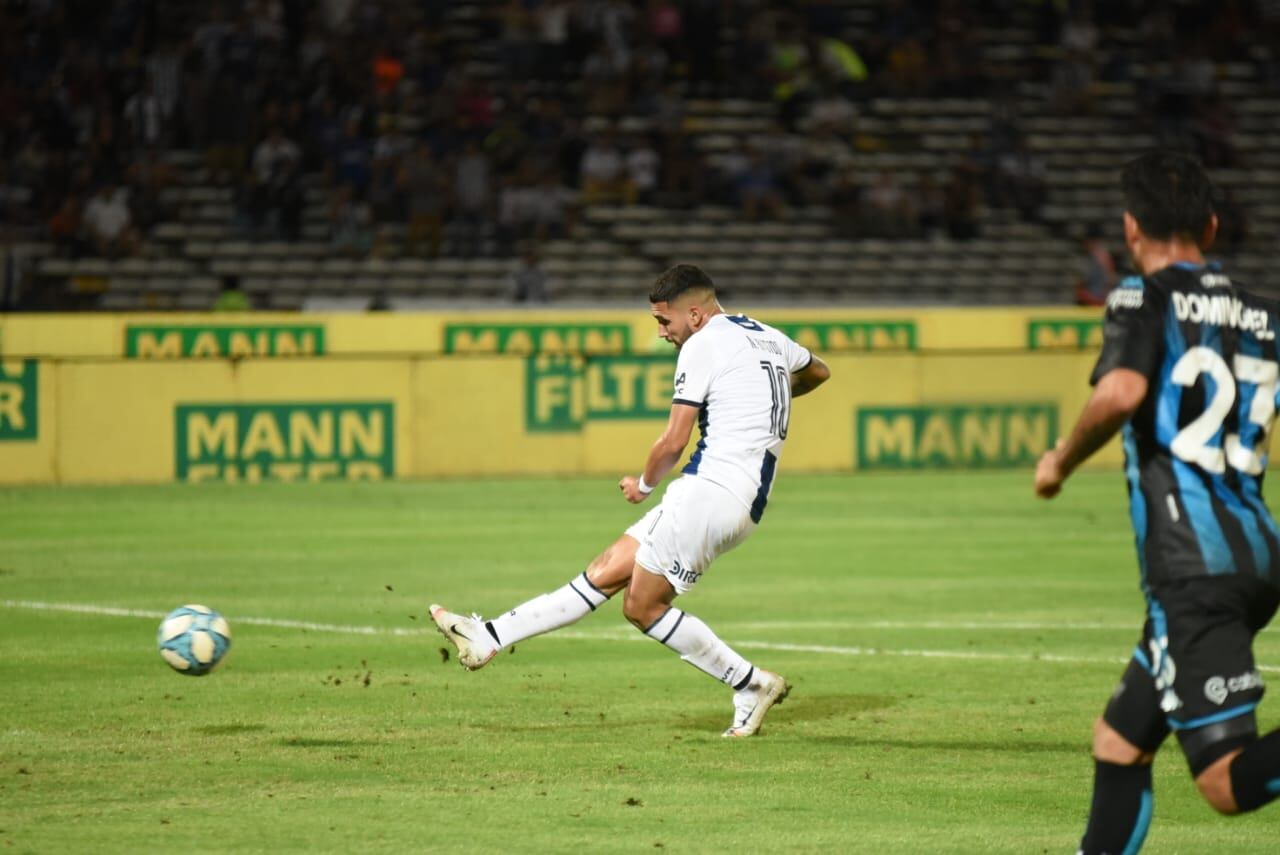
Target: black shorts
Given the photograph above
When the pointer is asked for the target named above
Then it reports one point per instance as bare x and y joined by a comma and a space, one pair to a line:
1193, 671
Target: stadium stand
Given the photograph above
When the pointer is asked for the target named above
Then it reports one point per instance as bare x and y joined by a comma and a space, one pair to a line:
397, 154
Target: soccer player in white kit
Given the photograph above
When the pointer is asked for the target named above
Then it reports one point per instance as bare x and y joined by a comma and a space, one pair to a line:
735, 377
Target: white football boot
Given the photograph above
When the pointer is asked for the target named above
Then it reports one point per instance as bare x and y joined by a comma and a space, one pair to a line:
750, 704
468, 634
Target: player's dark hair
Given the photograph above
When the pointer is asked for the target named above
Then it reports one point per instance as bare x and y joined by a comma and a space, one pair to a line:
675, 281
1169, 194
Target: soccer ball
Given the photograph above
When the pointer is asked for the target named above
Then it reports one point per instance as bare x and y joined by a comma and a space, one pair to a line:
193, 639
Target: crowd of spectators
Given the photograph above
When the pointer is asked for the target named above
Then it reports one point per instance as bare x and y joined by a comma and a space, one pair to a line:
404, 126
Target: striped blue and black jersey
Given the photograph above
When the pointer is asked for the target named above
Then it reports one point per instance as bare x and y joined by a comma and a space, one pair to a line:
1196, 449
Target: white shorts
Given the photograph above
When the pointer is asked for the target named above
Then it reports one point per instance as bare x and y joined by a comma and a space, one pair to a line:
696, 521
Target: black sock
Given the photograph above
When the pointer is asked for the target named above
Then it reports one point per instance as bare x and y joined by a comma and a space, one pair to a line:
1121, 811
1255, 773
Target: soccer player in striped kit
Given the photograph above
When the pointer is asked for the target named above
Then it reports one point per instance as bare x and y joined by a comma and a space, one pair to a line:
1188, 372
735, 378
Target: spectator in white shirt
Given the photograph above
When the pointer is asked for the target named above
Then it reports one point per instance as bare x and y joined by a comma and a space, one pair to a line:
551, 205
145, 116
603, 171
643, 166
109, 224
273, 153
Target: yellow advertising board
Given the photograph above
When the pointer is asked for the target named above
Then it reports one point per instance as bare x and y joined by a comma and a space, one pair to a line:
266, 418
28, 396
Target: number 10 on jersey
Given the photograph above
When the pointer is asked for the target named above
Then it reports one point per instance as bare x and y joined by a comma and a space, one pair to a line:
780, 385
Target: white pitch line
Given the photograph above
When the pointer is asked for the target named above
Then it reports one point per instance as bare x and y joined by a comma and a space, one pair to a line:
1134, 626
113, 611
1037, 626
873, 651
615, 635
782, 625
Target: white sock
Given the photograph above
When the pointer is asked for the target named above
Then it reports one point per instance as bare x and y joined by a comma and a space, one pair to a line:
544, 613
701, 648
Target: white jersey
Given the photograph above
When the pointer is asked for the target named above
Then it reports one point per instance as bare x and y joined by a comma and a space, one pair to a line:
737, 371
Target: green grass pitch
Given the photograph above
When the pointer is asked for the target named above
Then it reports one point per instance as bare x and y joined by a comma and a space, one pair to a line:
950, 640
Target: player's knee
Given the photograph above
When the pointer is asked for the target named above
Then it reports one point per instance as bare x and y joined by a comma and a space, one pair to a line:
1110, 747
642, 612
603, 577
634, 610
1210, 752
1214, 784
611, 570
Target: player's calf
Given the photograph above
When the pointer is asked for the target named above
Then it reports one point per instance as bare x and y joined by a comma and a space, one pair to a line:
642, 612
756, 691
1120, 814
569, 603
565, 605
648, 607
1123, 799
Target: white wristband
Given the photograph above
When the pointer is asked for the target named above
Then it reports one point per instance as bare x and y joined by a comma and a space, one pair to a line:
642, 486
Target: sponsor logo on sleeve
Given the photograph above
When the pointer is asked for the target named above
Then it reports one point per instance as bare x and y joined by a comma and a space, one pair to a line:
1125, 298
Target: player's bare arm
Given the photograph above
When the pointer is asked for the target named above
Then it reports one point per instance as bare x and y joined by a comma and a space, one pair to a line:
664, 454
810, 377
1114, 400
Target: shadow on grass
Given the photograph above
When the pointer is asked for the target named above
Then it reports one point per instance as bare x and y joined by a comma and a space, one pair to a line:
712, 718
800, 707
309, 742
1072, 748
229, 729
